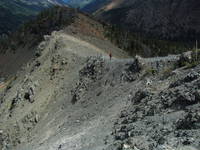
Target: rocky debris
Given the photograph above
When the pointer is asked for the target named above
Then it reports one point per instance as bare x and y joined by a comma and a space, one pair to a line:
59, 147
10, 138
29, 90
4, 140
187, 58
15, 100
183, 92
151, 134
92, 71
42, 46
30, 120
26, 92
191, 76
180, 97
182, 60
33, 66
29, 95
166, 119
37, 63
188, 78
191, 120
57, 65
38, 53
139, 95
80, 88
187, 55
156, 65
132, 72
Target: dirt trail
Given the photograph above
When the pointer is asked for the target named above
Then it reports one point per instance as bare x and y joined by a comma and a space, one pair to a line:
77, 45
82, 43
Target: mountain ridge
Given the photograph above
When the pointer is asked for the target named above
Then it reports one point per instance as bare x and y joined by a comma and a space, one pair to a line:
63, 91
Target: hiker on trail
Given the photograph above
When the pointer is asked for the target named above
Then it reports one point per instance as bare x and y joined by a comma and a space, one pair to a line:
110, 55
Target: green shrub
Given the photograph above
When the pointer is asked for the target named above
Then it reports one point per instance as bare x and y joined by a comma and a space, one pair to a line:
187, 62
167, 72
137, 44
150, 71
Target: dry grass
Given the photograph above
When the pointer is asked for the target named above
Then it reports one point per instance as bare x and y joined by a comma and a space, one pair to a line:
7, 83
88, 27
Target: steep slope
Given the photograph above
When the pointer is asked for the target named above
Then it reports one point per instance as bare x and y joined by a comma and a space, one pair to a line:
61, 58
15, 12
74, 97
21, 46
69, 95
178, 19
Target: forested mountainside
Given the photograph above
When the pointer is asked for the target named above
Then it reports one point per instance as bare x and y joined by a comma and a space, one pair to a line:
169, 19
14, 12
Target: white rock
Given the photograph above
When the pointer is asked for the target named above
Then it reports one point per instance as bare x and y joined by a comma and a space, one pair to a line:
126, 146
135, 148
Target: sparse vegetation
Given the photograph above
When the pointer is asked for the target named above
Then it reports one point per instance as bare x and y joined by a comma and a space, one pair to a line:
145, 46
150, 71
189, 61
167, 72
31, 33
56, 18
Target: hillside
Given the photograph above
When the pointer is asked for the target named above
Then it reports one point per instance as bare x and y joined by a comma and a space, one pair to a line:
59, 90
21, 46
15, 12
74, 97
136, 27
160, 19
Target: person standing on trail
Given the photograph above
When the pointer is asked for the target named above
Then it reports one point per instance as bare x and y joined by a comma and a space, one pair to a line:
110, 55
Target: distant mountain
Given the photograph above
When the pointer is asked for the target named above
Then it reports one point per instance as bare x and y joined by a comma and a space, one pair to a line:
78, 3
15, 12
169, 19
95, 5
87, 5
